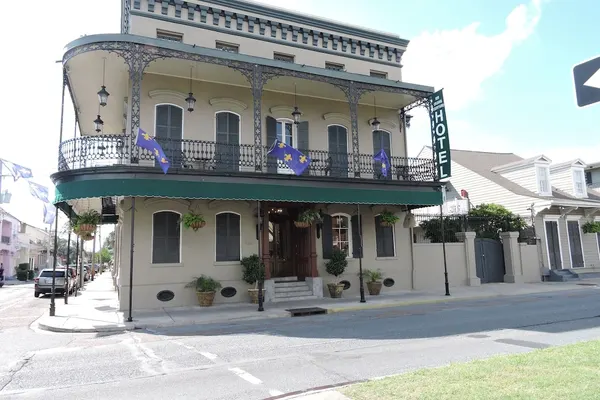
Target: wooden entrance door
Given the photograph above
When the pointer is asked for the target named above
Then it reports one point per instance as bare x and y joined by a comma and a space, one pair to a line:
280, 246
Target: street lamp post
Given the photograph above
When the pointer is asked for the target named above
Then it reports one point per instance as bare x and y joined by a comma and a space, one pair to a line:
52, 295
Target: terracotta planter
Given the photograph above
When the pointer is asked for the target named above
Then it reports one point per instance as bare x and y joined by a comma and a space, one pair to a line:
197, 225
335, 290
254, 295
205, 299
300, 224
374, 288
87, 228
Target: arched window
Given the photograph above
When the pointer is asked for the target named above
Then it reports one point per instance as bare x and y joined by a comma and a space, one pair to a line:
341, 233
227, 138
381, 140
337, 136
384, 239
228, 237
166, 237
168, 130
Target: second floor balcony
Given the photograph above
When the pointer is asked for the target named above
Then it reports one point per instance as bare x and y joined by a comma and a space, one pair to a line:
211, 157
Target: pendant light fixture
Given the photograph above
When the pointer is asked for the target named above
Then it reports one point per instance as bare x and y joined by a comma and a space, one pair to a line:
375, 122
191, 100
296, 114
102, 93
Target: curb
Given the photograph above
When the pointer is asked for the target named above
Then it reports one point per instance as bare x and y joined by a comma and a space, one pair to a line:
114, 328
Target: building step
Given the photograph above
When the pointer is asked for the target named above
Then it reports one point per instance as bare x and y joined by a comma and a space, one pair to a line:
285, 289
563, 275
290, 284
297, 298
286, 279
304, 292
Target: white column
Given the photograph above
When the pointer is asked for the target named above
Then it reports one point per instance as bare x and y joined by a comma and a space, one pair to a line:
512, 257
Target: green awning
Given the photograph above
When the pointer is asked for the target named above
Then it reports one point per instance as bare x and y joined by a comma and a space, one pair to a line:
285, 192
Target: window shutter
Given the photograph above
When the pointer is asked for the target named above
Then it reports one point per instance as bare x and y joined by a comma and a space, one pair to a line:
233, 247
356, 246
327, 237
271, 138
303, 141
379, 236
388, 241
221, 237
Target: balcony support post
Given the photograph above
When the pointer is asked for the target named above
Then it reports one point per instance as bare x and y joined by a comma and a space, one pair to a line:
354, 94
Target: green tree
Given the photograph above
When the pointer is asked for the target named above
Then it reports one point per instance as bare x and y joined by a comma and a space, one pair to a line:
109, 242
103, 256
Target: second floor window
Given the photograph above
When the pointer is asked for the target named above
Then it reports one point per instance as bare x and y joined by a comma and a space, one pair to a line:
228, 47
543, 180
378, 74
579, 182
166, 35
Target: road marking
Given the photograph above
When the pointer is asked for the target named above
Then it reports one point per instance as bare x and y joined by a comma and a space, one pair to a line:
210, 356
246, 376
273, 392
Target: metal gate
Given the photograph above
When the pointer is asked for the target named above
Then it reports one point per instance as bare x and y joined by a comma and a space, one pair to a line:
489, 259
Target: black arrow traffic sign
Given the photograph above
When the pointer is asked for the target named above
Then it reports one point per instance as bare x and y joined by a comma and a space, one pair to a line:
587, 82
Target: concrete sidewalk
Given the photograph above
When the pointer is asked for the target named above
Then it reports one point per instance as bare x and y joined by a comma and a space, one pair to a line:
96, 308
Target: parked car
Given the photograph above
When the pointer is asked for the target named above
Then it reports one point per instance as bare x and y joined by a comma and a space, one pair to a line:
43, 282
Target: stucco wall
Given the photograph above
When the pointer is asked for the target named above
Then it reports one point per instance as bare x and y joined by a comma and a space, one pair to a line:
429, 265
530, 263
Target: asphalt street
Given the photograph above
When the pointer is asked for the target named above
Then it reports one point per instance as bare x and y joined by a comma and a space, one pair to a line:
268, 358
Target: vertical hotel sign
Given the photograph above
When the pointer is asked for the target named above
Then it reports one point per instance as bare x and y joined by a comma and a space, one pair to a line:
439, 135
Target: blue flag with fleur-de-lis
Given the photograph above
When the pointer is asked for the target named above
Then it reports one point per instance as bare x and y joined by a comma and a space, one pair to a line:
293, 158
147, 142
384, 160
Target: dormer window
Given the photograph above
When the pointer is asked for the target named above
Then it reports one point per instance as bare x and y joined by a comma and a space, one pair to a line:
543, 180
579, 187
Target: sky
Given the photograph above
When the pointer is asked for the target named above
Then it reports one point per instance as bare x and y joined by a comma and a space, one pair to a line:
505, 67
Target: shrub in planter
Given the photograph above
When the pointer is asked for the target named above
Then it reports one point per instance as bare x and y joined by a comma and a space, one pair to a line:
591, 227
22, 271
30, 275
336, 267
193, 220
206, 287
388, 218
374, 283
307, 218
253, 271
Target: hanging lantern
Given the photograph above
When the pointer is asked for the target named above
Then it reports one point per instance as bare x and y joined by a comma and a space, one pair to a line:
375, 124
103, 96
191, 102
296, 114
98, 124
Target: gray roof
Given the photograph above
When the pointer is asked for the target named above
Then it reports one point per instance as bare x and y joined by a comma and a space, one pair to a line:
482, 162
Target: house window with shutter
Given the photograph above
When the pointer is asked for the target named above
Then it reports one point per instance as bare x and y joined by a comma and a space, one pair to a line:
579, 183
384, 238
543, 180
228, 234
166, 237
341, 233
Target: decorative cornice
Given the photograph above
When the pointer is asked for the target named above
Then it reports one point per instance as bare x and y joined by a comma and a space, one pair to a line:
386, 124
336, 116
167, 93
281, 111
233, 104
238, 22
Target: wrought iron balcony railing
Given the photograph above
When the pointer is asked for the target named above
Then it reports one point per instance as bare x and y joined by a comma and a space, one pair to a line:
109, 150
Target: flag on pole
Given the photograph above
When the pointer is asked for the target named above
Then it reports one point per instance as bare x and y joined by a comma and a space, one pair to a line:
49, 213
38, 191
384, 160
147, 142
17, 171
293, 158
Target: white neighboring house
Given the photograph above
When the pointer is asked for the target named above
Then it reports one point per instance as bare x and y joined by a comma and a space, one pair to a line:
554, 194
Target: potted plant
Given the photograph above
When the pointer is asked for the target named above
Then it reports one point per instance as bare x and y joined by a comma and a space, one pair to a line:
253, 271
206, 287
388, 218
591, 227
373, 281
307, 217
336, 267
86, 222
193, 220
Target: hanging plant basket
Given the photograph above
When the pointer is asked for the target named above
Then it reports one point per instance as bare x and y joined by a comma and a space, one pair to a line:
197, 225
302, 224
388, 218
86, 228
307, 217
386, 223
